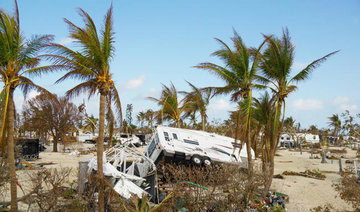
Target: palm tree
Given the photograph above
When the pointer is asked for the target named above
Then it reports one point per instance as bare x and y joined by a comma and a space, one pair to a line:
240, 75
276, 68
91, 64
313, 129
141, 118
264, 111
171, 106
289, 122
197, 101
335, 122
91, 123
18, 58
149, 116
276, 63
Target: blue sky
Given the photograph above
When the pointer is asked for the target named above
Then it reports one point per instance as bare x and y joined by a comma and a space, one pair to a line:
160, 41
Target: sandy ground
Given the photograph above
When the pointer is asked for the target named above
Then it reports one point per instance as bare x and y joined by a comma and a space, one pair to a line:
306, 193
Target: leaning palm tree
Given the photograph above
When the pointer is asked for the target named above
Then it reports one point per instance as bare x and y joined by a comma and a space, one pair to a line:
276, 67
91, 124
171, 106
240, 76
197, 101
91, 64
335, 122
18, 59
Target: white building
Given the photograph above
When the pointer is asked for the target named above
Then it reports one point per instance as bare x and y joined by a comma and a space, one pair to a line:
289, 140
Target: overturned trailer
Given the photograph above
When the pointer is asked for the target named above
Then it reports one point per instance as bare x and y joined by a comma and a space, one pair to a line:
135, 173
198, 147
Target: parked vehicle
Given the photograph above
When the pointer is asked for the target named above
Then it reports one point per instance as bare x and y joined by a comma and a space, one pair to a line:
199, 147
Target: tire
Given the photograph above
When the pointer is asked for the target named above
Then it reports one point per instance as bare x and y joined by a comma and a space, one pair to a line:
207, 162
196, 160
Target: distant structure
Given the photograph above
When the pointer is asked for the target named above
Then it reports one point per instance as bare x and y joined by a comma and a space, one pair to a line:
288, 140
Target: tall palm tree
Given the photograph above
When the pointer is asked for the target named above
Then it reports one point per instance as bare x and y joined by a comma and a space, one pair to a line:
171, 106
91, 64
276, 67
335, 122
240, 76
197, 101
18, 58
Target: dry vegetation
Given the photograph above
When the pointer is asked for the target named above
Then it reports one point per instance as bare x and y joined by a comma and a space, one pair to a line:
224, 188
4, 177
316, 174
349, 189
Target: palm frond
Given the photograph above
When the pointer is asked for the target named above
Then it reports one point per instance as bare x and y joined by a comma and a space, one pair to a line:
305, 73
88, 86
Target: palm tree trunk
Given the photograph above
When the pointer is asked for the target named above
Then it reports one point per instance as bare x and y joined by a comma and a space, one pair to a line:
237, 131
203, 121
11, 151
248, 139
55, 143
100, 150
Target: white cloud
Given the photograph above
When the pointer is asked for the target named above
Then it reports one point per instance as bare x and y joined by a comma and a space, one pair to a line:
66, 41
19, 100
349, 107
307, 104
32, 94
341, 100
345, 103
149, 93
221, 104
299, 66
134, 83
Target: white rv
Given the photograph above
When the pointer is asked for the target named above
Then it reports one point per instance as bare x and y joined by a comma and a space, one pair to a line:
199, 147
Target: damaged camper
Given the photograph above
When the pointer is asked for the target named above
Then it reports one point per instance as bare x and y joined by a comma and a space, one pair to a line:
198, 147
135, 173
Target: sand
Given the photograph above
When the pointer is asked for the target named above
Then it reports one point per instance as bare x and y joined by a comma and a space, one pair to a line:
304, 193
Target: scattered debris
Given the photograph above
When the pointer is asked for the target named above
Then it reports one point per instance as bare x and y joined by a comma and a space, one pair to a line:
278, 176
286, 161
129, 170
276, 198
75, 153
316, 174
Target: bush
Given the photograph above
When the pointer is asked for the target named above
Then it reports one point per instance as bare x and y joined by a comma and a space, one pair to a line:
219, 188
349, 189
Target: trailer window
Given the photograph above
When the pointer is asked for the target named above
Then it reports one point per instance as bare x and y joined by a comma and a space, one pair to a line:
175, 136
220, 150
191, 142
167, 138
151, 148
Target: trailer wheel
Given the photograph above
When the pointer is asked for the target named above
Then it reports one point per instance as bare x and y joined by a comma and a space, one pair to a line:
207, 162
196, 160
